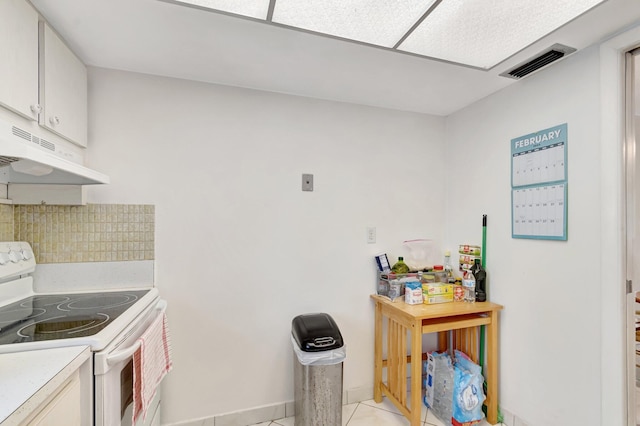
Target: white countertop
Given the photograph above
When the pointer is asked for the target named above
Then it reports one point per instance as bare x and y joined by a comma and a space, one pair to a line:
27, 379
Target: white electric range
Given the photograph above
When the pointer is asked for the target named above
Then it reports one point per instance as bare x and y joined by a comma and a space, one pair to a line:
110, 322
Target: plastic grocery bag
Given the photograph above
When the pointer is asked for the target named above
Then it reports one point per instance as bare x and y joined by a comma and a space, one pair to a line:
467, 363
329, 357
468, 395
439, 384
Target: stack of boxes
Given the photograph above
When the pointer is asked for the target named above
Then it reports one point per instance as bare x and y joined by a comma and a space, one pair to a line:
436, 288
468, 255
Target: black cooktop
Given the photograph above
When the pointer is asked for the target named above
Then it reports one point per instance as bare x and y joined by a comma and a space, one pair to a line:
62, 316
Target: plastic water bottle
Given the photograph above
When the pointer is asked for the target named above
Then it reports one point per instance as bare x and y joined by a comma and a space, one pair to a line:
469, 284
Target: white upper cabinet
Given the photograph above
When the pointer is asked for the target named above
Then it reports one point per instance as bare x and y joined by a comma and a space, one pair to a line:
63, 88
40, 77
19, 58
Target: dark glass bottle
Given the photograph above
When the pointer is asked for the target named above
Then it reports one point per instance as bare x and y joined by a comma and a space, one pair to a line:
481, 281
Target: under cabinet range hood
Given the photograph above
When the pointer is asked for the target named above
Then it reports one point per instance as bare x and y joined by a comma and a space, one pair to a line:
26, 158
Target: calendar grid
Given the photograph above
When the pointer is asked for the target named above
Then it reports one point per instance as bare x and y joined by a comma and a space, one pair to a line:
539, 184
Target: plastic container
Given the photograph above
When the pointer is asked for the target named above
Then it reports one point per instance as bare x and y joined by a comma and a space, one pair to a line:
420, 254
392, 286
440, 274
320, 353
428, 277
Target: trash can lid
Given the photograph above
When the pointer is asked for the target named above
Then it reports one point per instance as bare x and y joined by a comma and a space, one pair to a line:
316, 332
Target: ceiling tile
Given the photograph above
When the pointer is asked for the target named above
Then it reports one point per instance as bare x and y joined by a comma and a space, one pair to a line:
379, 22
254, 9
483, 33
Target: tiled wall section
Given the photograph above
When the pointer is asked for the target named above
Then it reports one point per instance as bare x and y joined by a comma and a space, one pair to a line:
6, 222
91, 233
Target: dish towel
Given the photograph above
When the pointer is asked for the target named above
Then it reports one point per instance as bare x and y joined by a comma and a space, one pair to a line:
151, 362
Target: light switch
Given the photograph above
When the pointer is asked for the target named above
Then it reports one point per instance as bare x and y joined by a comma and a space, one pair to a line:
371, 235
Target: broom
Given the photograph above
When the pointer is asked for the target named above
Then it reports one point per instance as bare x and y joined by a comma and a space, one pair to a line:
483, 260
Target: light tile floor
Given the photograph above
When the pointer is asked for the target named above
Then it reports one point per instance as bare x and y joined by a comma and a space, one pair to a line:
369, 413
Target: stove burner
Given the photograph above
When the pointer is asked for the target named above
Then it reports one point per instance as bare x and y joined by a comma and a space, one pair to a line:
63, 316
43, 301
9, 317
101, 302
65, 324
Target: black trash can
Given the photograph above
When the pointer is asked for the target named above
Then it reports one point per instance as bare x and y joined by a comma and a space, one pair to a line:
317, 373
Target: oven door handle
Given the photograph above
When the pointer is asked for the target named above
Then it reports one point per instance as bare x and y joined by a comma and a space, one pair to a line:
123, 354
128, 353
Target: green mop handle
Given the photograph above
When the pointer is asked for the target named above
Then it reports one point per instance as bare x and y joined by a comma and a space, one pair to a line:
483, 262
484, 241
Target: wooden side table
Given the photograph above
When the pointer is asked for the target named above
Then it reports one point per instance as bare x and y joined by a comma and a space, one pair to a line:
405, 326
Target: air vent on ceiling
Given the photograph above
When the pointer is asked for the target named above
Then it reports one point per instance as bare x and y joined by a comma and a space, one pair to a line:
547, 57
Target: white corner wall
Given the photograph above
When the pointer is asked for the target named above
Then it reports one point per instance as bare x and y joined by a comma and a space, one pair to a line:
550, 366
240, 249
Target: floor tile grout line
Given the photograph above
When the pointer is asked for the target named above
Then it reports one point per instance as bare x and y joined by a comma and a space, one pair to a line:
352, 413
423, 422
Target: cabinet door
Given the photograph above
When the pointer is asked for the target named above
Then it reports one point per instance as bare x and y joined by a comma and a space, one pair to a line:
19, 57
64, 409
63, 88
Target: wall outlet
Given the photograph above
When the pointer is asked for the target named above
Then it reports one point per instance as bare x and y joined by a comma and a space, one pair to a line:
371, 235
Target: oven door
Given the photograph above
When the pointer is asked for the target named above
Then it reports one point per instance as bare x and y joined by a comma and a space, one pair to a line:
114, 375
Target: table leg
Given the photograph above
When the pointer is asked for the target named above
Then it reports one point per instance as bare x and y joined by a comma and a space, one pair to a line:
491, 370
416, 374
443, 341
377, 355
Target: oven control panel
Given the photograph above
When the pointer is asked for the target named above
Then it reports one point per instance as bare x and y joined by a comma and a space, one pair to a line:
16, 258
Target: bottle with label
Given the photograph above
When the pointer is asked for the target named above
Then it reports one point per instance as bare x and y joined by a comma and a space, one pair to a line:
400, 267
469, 284
481, 281
447, 266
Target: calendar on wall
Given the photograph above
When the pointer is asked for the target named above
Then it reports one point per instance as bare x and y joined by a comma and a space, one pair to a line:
539, 184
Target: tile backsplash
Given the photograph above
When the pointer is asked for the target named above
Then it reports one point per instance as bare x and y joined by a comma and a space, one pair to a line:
6, 222
91, 233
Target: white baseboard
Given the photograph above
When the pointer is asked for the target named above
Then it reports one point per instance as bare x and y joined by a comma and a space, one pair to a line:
508, 418
271, 412
360, 394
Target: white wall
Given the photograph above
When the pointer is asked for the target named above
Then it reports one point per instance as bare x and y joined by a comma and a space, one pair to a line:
240, 249
550, 328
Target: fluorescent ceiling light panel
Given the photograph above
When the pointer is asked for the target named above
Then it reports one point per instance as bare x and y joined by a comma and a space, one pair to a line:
379, 22
483, 33
251, 8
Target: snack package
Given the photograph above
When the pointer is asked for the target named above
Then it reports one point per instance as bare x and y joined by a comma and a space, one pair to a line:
468, 394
